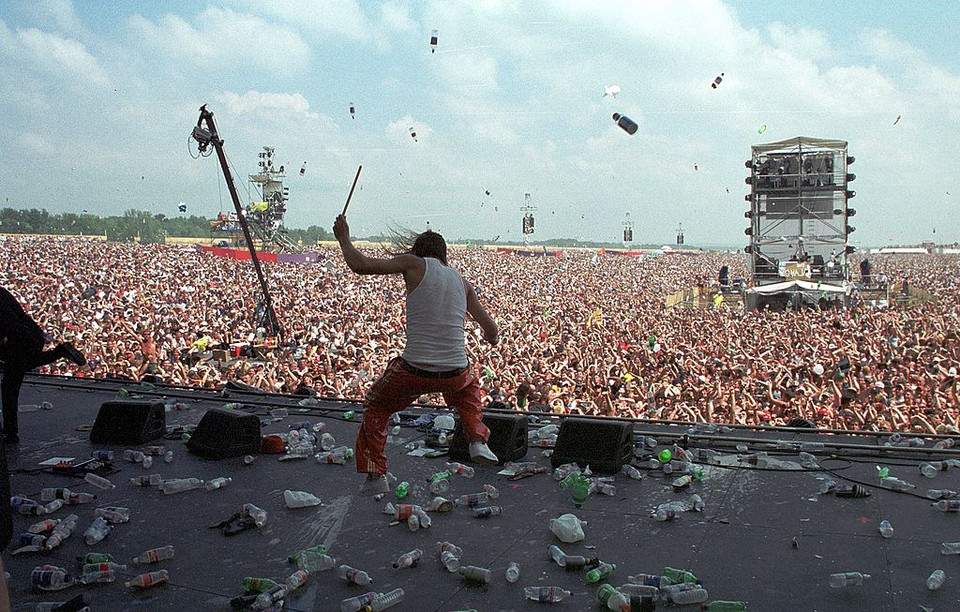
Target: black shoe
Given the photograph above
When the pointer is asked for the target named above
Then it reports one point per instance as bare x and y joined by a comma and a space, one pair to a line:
10, 438
74, 355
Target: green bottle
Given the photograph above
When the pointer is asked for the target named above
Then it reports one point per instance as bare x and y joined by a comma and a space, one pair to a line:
402, 489
677, 576
258, 585
664, 456
724, 606
348, 415
444, 475
96, 558
605, 592
581, 490
601, 572
320, 549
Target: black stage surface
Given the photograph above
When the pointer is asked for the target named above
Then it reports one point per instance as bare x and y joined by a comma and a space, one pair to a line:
766, 536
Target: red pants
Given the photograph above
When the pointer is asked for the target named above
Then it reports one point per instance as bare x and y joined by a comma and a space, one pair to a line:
398, 389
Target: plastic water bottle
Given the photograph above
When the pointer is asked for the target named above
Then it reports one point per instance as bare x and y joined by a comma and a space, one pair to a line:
450, 561
144, 581
99, 481
147, 480
43, 526
98, 576
640, 590
352, 574
665, 514
941, 494
631, 471
460, 469
556, 554
950, 548
113, 514
338, 456
179, 485
30, 539
886, 529
930, 469
259, 515
626, 124
266, 600
355, 604
168, 457
297, 579
550, 594
97, 531
688, 596
409, 559
846, 579
155, 555
473, 573
487, 511
217, 483
935, 581
513, 572
720, 605
50, 578
949, 505
386, 600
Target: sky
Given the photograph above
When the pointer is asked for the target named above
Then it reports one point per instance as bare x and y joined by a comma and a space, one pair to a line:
99, 99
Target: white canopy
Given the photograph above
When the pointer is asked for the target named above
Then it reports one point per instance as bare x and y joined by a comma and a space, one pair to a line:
798, 285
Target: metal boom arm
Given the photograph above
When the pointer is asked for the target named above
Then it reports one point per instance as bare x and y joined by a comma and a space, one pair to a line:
207, 136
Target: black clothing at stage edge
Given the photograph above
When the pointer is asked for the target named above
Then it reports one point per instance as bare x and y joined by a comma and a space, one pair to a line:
21, 350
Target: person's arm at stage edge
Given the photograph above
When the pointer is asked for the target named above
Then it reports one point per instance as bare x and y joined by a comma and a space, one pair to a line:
491, 333
360, 263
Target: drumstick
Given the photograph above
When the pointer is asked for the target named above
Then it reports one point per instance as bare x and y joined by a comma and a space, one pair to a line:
359, 168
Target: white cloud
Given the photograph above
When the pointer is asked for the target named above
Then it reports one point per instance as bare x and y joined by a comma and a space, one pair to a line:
63, 57
50, 14
327, 19
223, 38
37, 144
800, 42
255, 101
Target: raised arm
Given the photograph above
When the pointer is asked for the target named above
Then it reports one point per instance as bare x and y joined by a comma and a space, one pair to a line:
491, 333
361, 264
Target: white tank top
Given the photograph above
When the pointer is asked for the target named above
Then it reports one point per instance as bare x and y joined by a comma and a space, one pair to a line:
436, 311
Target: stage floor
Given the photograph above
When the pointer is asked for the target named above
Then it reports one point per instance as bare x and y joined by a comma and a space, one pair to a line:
766, 536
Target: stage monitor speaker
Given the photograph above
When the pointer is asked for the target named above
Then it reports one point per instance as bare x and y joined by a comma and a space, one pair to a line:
508, 437
222, 433
129, 422
603, 444
233, 385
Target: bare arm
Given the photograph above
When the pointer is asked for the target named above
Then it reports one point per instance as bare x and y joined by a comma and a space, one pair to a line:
491, 333
361, 264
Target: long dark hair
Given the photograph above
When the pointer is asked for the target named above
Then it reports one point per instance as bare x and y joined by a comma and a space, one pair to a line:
426, 244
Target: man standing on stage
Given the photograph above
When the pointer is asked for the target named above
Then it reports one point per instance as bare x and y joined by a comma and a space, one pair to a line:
434, 359
21, 350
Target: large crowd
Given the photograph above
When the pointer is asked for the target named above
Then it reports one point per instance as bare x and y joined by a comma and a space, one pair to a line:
585, 333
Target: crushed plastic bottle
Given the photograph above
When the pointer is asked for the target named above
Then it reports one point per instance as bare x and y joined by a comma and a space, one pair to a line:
402, 489
631, 471
512, 573
51, 578
950, 548
487, 511
259, 515
886, 529
845, 579
472, 573
935, 581
99, 481
460, 469
147, 480
97, 577
408, 559
97, 531
352, 574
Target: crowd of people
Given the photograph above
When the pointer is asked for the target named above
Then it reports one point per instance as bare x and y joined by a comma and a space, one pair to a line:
585, 333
